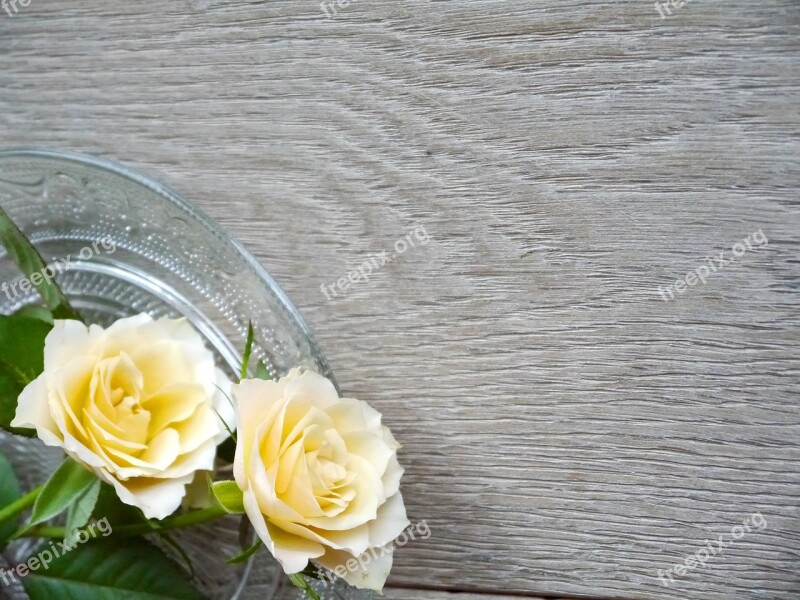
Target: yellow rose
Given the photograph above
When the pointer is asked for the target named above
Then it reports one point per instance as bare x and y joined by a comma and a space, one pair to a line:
137, 403
319, 476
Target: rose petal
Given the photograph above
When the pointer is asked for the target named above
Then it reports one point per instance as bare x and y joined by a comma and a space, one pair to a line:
313, 387
391, 478
158, 498
390, 522
293, 552
33, 411
371, 572
256, 402
67, 340
364, 506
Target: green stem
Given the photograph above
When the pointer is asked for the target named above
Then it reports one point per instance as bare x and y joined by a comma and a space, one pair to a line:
194, 517
18, 506
177, 522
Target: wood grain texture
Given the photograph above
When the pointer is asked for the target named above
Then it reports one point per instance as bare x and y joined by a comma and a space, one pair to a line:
566, 431
407, 594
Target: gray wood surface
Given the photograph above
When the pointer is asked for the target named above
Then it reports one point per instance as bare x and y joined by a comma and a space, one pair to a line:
408, 594
566, 430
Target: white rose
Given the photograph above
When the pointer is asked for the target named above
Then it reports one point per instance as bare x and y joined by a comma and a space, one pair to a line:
137, 403
320, 477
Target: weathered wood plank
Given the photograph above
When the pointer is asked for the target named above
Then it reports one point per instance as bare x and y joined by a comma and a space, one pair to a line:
566, 431
407, 594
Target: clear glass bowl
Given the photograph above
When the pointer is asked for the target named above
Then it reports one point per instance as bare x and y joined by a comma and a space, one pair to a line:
136, 246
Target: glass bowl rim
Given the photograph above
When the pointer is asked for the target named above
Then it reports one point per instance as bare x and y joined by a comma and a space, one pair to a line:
194, 212
213, 228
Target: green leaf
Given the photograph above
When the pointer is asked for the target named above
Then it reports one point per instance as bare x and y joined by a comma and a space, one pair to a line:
65, 486
9, 492
22, 348
21, 361
10, 389
229, 496
299, 581
29, 262
240, 558
173, 543
110, 507
248, 350
80, 511
111, 570
262, 372
34, 311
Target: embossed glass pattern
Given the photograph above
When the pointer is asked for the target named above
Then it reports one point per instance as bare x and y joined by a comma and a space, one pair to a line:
169, 260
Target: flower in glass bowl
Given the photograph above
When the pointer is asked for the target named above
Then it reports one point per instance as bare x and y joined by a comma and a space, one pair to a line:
319, 477
141, 404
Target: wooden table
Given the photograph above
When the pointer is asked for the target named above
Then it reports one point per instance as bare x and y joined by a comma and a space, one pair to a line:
568, 431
